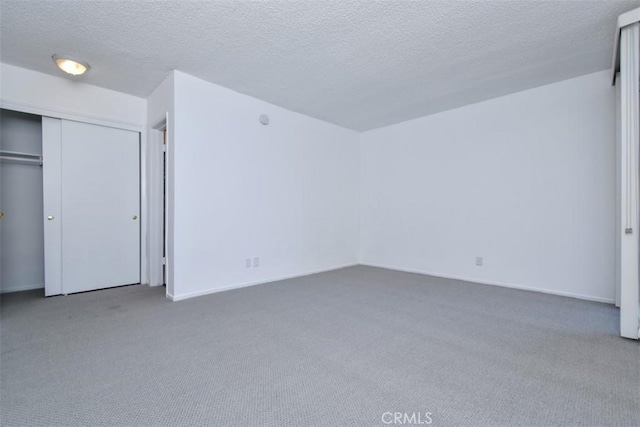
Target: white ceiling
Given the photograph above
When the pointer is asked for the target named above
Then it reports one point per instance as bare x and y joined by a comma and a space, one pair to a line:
358, 64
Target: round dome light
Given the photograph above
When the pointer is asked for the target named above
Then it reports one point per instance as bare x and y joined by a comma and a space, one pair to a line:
70, 65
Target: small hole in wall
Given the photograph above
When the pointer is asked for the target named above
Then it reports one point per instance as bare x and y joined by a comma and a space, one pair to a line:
264, 119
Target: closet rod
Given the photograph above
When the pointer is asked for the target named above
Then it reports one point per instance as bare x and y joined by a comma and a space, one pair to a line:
21, 161
19, 154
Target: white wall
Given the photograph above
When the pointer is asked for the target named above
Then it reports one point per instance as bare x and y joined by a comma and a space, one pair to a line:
38, 93
286, 193
161, 101
525, 181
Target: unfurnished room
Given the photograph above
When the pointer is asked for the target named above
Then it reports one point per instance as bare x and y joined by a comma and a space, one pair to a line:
319, 213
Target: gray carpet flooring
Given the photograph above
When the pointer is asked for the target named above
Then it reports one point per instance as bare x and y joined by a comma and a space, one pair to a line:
334, 349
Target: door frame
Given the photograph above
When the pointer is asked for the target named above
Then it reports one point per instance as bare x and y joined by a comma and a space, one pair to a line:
144, 164
158, 213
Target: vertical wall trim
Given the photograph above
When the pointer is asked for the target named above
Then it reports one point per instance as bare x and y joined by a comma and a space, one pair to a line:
169, 222
619, 227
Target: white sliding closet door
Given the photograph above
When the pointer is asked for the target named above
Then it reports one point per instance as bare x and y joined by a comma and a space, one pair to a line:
629, 167
99, 207
51, 167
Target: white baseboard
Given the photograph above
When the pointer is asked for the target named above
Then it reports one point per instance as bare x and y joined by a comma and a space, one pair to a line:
21, 288
494, 283
389, 267
254, 283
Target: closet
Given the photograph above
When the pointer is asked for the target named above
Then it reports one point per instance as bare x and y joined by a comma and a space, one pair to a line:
21, 227
71, 204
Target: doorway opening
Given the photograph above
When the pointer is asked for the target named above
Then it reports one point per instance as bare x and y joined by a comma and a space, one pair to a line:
158, 236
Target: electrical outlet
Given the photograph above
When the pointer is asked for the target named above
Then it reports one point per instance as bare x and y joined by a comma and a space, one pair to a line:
479, 261
256, 262
247, 263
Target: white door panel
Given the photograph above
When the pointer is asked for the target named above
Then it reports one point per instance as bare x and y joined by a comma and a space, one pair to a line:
100, 207
52, 207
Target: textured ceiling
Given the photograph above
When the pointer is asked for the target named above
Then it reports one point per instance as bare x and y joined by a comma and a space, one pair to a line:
359, 64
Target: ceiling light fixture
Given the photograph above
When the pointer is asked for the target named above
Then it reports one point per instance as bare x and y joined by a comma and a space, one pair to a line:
70, 65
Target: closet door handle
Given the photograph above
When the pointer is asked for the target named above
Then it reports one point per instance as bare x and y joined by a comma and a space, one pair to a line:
50, 217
